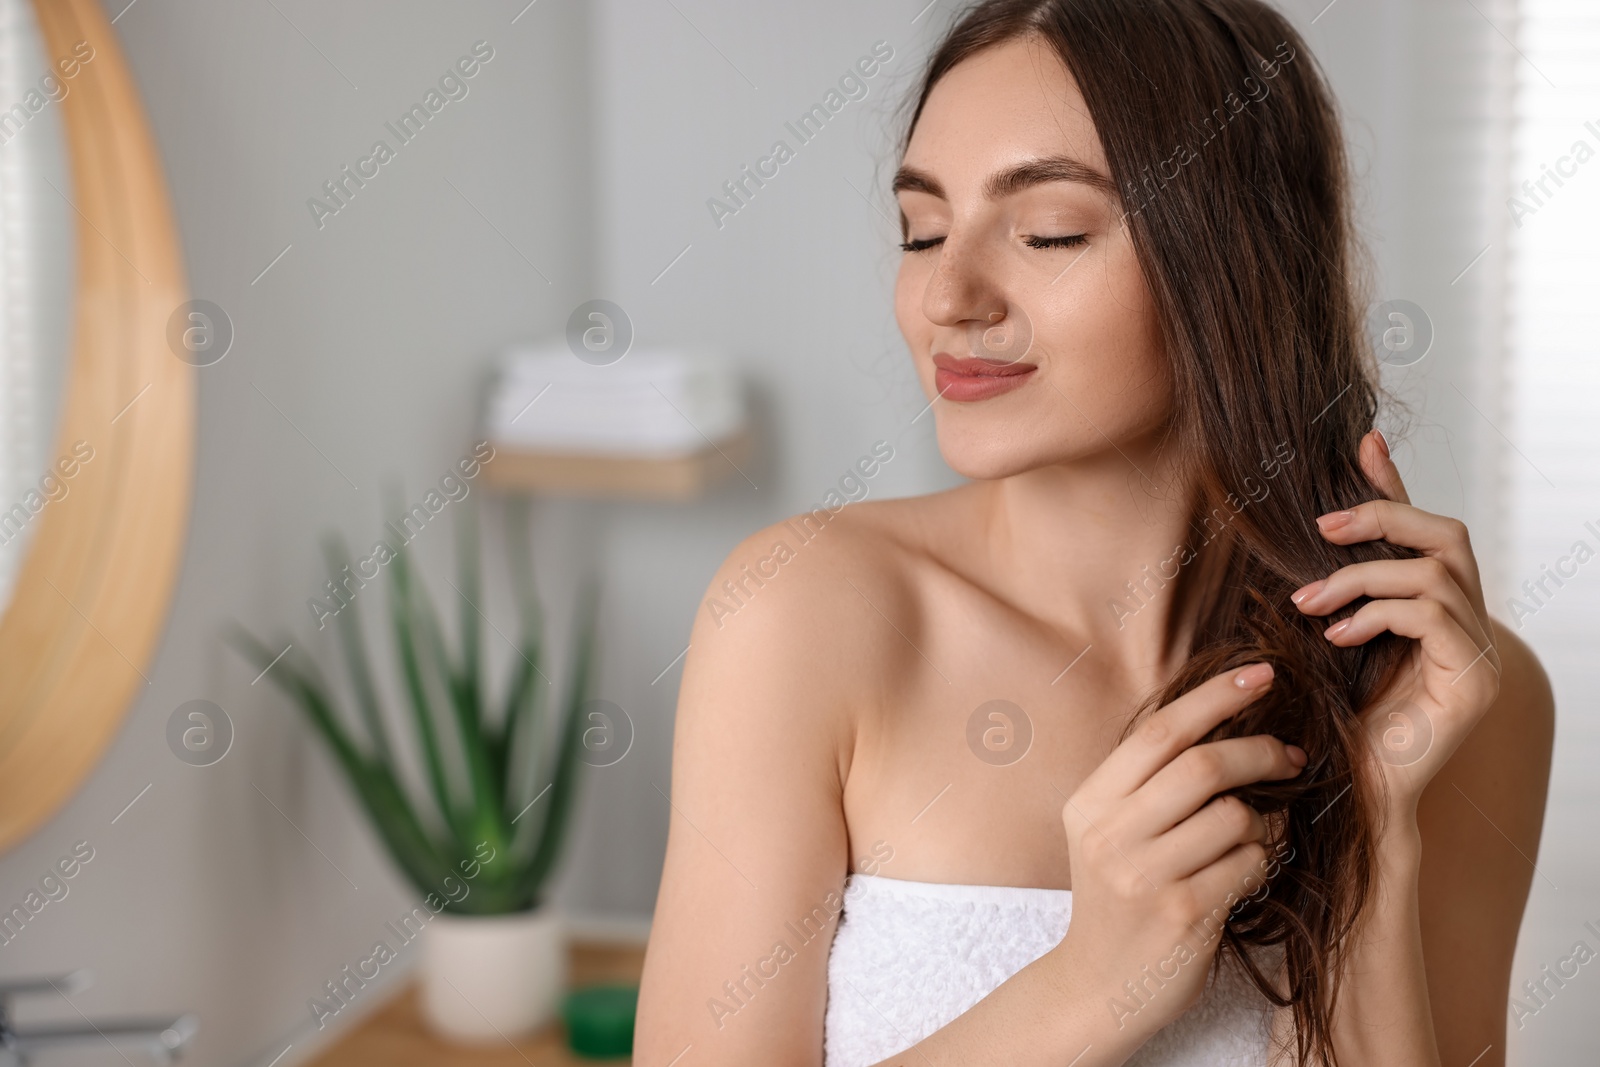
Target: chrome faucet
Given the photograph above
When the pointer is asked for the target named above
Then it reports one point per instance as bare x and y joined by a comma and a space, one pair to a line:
162, 1039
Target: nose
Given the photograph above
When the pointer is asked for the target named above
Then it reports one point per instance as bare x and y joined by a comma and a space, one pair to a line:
966, 293
963, 287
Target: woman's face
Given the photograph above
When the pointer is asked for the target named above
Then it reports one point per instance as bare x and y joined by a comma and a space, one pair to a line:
1005, 177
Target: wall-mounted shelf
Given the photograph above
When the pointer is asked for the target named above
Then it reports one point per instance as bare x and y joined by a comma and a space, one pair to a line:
675, 478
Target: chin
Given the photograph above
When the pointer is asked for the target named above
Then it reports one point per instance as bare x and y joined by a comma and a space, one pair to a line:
990, 448
988, 441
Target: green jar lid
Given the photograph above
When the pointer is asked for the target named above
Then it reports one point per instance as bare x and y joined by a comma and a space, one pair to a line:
600, 1020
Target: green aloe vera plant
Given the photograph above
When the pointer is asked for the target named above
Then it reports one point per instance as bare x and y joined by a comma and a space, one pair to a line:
501, 797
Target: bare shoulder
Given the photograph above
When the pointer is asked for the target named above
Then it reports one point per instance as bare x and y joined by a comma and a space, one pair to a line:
1490, 797
1480, 819
789, 634
1506, 759
805, 582
1525, 710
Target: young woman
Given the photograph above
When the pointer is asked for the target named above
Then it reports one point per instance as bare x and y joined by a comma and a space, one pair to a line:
1176, 736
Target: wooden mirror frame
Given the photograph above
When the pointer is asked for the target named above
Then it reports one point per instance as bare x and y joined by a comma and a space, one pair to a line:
92, 594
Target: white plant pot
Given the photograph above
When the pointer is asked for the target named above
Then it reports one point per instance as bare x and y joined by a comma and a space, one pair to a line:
486, 978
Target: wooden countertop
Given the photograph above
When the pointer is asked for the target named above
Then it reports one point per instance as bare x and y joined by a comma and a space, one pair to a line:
395, 1036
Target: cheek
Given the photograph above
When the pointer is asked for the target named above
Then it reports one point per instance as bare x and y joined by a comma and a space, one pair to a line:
1110, 325
1103, 350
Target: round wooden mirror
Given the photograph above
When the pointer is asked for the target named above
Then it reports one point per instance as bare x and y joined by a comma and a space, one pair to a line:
96, 407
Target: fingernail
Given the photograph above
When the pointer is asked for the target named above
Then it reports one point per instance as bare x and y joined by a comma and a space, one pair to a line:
1334, 519
1306, 592
1254, 676
1383, 442
1297, 755
1336, 629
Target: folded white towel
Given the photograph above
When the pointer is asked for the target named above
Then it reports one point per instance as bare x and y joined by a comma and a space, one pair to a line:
653, 402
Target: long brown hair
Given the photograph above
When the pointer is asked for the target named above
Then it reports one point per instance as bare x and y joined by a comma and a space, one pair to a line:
1223, 137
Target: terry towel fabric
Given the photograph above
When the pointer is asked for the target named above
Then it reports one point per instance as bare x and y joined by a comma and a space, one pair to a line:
909, 957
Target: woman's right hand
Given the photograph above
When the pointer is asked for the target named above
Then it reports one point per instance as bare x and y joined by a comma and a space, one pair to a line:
1156, 853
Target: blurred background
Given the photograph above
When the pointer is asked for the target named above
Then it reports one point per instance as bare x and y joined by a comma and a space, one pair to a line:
579, 166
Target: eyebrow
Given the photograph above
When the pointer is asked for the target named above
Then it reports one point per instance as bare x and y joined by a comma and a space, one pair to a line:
1012, 180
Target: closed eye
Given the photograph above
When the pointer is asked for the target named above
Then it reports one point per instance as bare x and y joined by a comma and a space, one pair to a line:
1068, 241
1071, 241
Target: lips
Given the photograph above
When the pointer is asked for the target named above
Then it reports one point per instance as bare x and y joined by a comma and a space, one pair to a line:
967, 379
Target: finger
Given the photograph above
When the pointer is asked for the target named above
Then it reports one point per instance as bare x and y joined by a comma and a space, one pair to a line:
1181, 788
1203, 838
1373, 454
1443, 642
1390, 579
1243, 871
1177, 726
1438, 536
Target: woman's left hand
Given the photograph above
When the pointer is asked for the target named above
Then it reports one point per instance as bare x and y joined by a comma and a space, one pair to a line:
1452, 674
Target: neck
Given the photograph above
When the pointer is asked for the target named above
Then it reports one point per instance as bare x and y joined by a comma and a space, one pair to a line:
1093, 548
